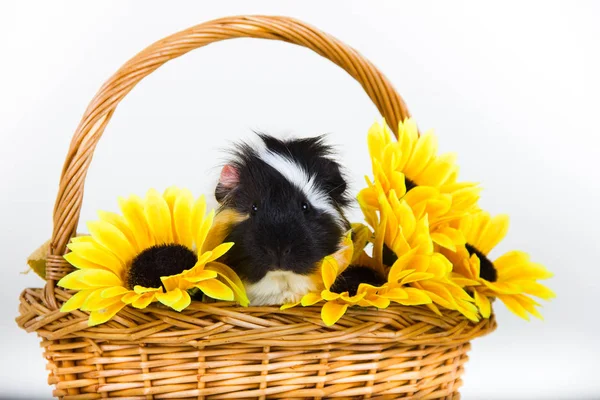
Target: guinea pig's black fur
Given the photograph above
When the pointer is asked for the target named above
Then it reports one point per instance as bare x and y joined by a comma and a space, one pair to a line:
291, 195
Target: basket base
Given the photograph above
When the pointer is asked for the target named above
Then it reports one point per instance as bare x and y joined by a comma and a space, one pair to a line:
220, 351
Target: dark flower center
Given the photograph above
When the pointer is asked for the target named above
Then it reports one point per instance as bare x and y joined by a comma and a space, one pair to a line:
388, 255
409, 184
353, 276
487, 269
160, 260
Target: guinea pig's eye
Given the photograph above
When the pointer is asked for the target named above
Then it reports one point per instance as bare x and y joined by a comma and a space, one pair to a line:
305, 206
254, 208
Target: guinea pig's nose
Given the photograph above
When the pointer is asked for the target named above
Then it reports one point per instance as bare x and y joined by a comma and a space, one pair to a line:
270, 252
286, 251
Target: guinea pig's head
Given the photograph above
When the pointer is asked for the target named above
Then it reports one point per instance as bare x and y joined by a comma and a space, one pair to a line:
288, 199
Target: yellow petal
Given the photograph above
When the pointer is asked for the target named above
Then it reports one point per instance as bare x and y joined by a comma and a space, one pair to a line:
439, 171
469, 310
130, 297
503, 287
215, 289
529, 305
462, 281
343, 256
170, 298
416, 276
495, 232
379, 241
439, 293
475, 265
332, 312
454, 234
158, 216
141, 289
200, 275
97, 254
369, 289
81, 263
183, 302
76, 301
481, 220
82, 238
288, 305
329, 271
113, 239
402, 264
174, 281
396, 294
218, 251
377, 301
330, 296
113, 291
515, 265
415, 297
407, 138
232, 280
443, 240
361, 235
89, 278
310, 299
121, 224
95, 301
143, 301
483, 303
182, 218
439, 266
203, 229
514, 306
198, 211
511, 259
537, 289
352, 299
170, 195
434, 308
423, 153
421, 194
133, 212
101, 316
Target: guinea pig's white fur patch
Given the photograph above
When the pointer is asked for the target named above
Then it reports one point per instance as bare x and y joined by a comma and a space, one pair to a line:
279, 287
297, 176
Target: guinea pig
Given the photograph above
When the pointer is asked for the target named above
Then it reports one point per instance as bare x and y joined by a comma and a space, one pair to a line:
286, 200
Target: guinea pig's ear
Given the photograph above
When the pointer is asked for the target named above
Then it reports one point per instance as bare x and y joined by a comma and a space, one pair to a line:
335, 184
229, 180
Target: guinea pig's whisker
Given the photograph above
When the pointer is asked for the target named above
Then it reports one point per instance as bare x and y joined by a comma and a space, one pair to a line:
335, 188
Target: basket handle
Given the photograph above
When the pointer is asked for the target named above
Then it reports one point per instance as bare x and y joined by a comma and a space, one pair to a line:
70, 193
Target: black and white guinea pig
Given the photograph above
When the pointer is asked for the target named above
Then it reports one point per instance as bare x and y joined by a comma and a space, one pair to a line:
286, 200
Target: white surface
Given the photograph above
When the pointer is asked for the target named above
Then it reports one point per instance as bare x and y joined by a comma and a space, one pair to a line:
512, 87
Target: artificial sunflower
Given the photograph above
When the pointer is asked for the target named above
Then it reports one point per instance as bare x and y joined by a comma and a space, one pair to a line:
512, 277
336, 304
412, 169
156, 251
417, 265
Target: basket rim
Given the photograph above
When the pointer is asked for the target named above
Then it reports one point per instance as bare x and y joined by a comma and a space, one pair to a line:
221, 322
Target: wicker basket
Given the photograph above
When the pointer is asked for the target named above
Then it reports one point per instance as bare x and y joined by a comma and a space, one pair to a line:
220, 350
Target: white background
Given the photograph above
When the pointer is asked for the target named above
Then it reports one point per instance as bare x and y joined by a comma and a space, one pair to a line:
512, 87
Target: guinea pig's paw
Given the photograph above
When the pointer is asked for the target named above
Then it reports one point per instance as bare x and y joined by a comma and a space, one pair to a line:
279, 287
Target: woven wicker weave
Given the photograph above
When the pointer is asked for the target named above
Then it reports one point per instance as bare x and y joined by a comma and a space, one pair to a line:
219, 350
